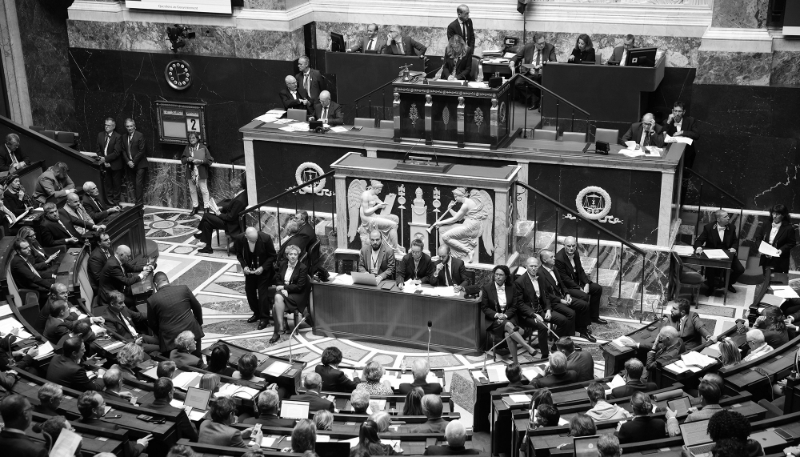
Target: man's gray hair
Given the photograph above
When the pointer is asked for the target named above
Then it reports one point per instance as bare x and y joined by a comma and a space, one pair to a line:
184, 340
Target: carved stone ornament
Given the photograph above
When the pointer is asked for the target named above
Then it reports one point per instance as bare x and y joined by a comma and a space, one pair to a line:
503, 112
428, 99
478, 117
446, 116
413, 114
593, 203
396, 96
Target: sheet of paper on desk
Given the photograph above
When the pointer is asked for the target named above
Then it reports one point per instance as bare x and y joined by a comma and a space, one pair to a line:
323, 438
277, 368
151, 373
694, 358
445, 291
7, 325
196, 415
784, 292
344, 280
339, 129
532, 372
631, 152
617, 342
283, 121
5, 310
352, 441
676, 367
497, 374
431, 377
772, 300
683, 250
175, 403
618, 381
717, 254
768, 249
654, 151
268, 118
712, 350
45, 350
268, 441
184, 379
520, 398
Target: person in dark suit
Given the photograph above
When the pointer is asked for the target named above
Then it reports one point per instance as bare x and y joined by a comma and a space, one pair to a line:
50, 397
679, 125
228, 219
691, 329
462, 27
293, 96
117, 274
576, 281
14, 197
92, 407
127, 323
400, 45
515, 380
266, 406
45, 261
457, 60
497, 305
75, 217
25, 274
16, 412
535, 54
291, 290
135, 151
533, 309
432, 408
420, 369
56, 228
198, 160
415, 265
65, 369
93, 204
293, 237
218, 430
456, 435
59, 322
782, 235
313, 384
377, 258
369, 43
98, 258
11, 157
172, 310
555, 289
449, 271
327, 111
310, 80
645, 133
109, 151
720, 235
583, 52
163, 392
667, 348
558, 375
54, 184
333, 379
256, 254
634, 368
579, 361
620, 53
642, 427
184, 354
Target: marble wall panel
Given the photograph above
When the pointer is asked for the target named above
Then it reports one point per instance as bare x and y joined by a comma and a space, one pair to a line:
745, 14
785, 68
265, 4
736, 68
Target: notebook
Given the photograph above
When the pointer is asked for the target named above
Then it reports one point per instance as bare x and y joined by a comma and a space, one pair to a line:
294, 409
366, 279
196, 403
768, 438
695, 437
585, 446
680, 406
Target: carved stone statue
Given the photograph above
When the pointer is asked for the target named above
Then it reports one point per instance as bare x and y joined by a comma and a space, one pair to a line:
476, 215
363, 201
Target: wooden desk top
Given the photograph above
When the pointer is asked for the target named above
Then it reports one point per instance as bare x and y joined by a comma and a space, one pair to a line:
702, 260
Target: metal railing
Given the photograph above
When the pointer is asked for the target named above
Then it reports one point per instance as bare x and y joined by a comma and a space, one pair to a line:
703, 181
277, 202
559, 208
558, 101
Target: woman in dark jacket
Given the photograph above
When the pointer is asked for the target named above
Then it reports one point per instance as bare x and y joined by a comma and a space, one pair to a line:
780, 234
457, 60
499, 311
198, 161
583, 51
369, 443
218, 361
291, 289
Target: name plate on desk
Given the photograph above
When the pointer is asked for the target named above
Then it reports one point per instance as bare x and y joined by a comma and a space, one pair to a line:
446, 82
423, 165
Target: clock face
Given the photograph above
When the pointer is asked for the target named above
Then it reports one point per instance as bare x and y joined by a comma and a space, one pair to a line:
179, 74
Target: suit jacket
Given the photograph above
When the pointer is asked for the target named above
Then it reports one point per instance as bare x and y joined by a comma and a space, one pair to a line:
230, 211
458, 274
316, 85
634, 133
450, 450
219, 434
291, 102
688, 126
642, 428
50, 189
114, 322
297, 287
201, 153
406, 269
263, 254
709, 238
582, 363
75, 218
184, 360
335, 113
66, 372
582, 57
574, 278
555, 380
114, 277
528, 301
182, 422
19, 444
661, 354
489, 302
454, 28
55, 329
316, 402
550, 289
631, 387
334, 380
526, 54
12, 201
135, 149
385, 261
461, 69
97, 260
616, 55
363, 44
411, 47
270, 421
24, 278
172, 310
785, 240
53, 234
5, 157
113, 152
431, 426
45, 313
428, 387
692, 331
96, 208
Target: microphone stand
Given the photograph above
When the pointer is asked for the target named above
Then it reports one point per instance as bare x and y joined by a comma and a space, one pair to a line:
429, 346
483, 370
291, 336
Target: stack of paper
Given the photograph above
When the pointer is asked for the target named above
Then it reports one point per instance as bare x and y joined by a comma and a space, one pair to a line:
768, 249
631, 150
339, 129
45, 350
268, 441
696, 359
277, 368
5, 310
520, 399
114, 345
185, 379
683, 250
717, 254
784, 292
296, 127
532, 372
497, 374
271, 115
618, 342
234, 390
9, 324
345, 280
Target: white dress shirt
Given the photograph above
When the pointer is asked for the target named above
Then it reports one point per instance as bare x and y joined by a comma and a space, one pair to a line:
288, 276
501, 297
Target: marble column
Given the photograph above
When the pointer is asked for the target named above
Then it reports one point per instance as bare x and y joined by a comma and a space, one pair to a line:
340, 186
250, 161
500, 226
14, 65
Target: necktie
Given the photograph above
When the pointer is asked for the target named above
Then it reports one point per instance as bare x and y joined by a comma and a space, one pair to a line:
400, 45
538, 56
643, 142
130, 137
96, 204
128, 325
32, 269
325, 113
13, 156
65, 228
78, 228
464, 30
447, 277
105, 149
306, 83
294, 95
624, 56
369, 48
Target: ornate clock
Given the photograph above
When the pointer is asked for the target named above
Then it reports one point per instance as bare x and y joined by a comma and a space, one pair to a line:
179, 74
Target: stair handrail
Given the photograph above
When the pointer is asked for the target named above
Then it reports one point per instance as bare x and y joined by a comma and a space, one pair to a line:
541, 87
724, 192
258, 205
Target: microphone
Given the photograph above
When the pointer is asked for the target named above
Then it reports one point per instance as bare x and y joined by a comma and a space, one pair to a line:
483, 370
292, 335
430, 324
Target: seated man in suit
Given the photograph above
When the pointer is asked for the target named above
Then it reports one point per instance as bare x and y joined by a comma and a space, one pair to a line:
92, 407
645, 133
166, 369
227, 220
45, 263
634, 369
758, 345
65, 369
57, 230
533, 310
643, 426
93, 204
117, 274
59, 291
534, 56
327, 111
555, 290
602, 410
576, 280
580, 361
432, 408
333, 379
515, 380
124, 322
401, 45
218, 430
163, 392
54, 184
420, 370
559, 374
266, 406
620, 53
691, 329
16, 412
377, 258
667, 349
415, 265
80, 219
710, 396
182, 355
369, 43
680, 125
313, 384
449, 271
456, 435
25, 275
720, 235
294, 97
112, 382
59, 322
50, 397
98, 259
82, 330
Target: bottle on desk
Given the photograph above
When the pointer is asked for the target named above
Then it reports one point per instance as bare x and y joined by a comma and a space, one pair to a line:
479, 77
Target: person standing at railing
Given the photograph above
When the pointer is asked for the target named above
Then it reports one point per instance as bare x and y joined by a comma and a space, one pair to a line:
720, 235
309, 79
780, 234
198, 161
109, 150
680, 125
531, 60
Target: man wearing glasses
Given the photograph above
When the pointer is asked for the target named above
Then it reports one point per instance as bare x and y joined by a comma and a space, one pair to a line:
109, 150
532, 59
758, 346
16, 411
680, 125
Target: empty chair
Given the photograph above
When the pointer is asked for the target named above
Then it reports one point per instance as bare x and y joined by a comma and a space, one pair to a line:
66, 138
36, 128
539, 134
49, 134
610, 136
574, 136
296, 114
387, 124
365, 122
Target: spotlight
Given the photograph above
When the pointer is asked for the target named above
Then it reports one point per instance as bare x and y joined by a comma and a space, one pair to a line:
177, 33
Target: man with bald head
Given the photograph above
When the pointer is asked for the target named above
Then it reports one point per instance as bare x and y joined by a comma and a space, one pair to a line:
720, 235
327, 111
75, 214
171, 310
118, 274
576, 280
293, 96
645, 133
555, 290
377, 258
449, 271
667, 349
256, 254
